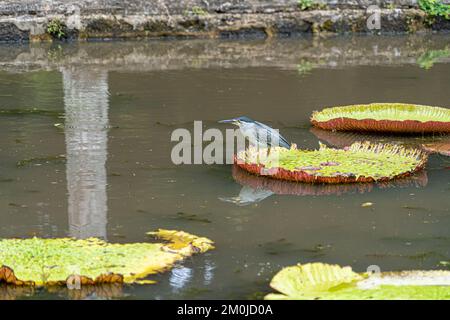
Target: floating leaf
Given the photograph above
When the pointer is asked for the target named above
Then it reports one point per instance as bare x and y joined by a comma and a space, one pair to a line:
91, 261
361, 162
367, 204
332, 282
389, 117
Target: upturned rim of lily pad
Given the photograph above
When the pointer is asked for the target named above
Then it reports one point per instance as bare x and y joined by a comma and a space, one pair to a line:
92, 261
384, 117
283, 187
407, 162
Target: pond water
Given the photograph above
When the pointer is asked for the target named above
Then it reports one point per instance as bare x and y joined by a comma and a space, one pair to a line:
93, 158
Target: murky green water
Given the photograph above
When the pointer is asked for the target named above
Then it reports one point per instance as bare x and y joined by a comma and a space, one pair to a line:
97, 162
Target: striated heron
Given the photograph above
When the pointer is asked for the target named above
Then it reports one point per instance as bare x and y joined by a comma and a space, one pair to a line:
258, 133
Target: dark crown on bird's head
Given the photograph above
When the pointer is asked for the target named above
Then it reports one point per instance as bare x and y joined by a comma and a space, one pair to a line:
238, 120
245, 119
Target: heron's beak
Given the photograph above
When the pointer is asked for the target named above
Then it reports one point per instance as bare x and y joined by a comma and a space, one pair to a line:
233, 121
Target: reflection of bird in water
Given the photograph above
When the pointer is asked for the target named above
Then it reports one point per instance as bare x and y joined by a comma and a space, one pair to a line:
248, 195
256, 188
258, 133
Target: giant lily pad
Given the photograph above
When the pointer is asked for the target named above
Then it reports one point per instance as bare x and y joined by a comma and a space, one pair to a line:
389, 117
40, 262
361, 162
332, 282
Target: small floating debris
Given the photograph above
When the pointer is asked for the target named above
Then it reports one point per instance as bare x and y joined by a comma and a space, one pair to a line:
314, 281
361, 162
367, 204
57, 262
386, 117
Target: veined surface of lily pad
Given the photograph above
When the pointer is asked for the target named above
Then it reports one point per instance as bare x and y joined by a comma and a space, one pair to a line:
333, 282
40, 262
361, 162
388, 117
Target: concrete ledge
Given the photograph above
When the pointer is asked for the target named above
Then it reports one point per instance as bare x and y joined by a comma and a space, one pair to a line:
115, 19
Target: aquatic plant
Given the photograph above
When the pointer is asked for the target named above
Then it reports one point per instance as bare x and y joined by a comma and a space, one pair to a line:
333, 282
361, 162
435, 8
92, 261
56, 29
388, 117
429, 58
305, 67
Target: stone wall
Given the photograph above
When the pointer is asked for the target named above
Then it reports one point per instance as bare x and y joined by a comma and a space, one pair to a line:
106, 19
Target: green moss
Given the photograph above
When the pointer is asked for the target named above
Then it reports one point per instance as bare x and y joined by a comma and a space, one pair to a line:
196, 10
361, 159
47, 261
332, 282
390, 6
311, 5
384, 111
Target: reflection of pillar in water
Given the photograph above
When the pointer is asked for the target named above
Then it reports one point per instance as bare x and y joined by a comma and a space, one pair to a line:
86, 123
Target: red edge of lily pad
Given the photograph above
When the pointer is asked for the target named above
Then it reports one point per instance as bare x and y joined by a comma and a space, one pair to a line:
304, 189
302, 176
410, 126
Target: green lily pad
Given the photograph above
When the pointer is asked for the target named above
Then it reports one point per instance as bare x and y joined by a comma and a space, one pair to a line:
361, 162
388, 117
333, 282
39, 262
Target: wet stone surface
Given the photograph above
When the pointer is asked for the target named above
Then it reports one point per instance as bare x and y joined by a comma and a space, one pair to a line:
247, 19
